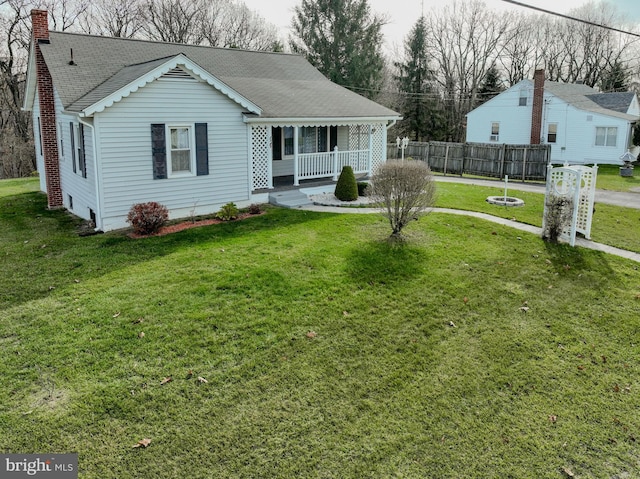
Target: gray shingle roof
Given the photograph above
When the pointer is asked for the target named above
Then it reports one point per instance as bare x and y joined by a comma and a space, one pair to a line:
617, 101
282, 85
581, 97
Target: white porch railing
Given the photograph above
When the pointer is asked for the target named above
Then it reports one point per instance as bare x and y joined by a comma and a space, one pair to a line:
321, 165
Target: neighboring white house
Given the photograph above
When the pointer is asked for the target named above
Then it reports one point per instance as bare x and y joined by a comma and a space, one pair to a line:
120, 121
582, 125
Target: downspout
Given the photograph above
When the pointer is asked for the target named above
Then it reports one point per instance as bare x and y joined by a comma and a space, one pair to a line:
98, 225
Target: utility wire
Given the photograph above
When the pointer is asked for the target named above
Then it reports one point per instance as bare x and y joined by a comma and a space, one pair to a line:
569, 17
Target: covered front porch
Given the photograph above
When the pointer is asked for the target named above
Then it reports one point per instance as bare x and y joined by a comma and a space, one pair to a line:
296, 152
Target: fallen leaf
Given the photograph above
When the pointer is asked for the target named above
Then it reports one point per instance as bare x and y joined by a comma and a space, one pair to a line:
76, 280
494, 233
568, 472
548, 261
166, 380
566, 267
141, 334
581, 367
616, 388
604, 359
142, 443
550, 286
465, 300
202, 380
311, 334
524, 308
138, 321
189, 373
43, 246
51, 288
627, 389
452, 324
638, 296
117, 314
518, 238
345, 313
553, 418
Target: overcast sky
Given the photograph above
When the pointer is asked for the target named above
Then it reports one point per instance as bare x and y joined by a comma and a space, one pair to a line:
403, 14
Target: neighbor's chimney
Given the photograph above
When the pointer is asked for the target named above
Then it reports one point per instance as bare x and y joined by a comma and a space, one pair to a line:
48, 131
536, 112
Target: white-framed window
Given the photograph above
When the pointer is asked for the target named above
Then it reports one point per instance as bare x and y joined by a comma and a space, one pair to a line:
552, 132
495, 131
523, 98
606, 135
180, 150
311, 139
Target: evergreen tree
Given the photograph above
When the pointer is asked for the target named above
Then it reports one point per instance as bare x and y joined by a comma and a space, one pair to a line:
416, 84
342, 39
615, 78
491, 86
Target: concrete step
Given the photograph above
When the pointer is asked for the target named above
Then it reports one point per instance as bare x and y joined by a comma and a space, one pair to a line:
289, 199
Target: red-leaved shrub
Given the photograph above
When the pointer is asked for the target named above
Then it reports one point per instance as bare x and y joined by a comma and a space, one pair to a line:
147, 218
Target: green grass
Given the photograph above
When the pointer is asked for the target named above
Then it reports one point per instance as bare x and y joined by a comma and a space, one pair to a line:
386, 388
612, 225
609, 179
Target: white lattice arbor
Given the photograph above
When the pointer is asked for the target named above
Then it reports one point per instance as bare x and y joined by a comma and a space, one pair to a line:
578, 183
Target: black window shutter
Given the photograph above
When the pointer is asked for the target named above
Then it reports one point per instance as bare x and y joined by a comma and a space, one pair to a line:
73, 146
202, 150
158, 151
81, 154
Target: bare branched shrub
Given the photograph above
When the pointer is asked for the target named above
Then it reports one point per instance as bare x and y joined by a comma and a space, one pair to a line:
405, 191
17, 157
557, 218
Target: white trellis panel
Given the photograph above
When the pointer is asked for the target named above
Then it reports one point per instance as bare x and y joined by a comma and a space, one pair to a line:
261, 156
578, 183
379, 146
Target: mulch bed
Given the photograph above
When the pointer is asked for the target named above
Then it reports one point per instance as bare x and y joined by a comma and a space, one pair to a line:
186, 225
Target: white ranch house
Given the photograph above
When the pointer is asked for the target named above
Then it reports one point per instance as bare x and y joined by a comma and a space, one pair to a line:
582, 125
120, 121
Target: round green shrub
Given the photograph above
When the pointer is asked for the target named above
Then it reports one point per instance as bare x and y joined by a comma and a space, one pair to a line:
347, 188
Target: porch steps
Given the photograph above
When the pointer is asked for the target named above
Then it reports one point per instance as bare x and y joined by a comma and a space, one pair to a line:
289, 199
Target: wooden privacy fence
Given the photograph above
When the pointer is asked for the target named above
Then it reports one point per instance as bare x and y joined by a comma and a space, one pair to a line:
519, 162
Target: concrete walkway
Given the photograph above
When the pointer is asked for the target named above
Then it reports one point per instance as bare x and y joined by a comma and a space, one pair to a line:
303, 199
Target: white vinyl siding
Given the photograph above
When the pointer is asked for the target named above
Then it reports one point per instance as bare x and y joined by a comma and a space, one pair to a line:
126, 152
74, 185
575, 140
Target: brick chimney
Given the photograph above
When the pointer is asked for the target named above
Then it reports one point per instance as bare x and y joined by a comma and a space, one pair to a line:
48, 132
536, 112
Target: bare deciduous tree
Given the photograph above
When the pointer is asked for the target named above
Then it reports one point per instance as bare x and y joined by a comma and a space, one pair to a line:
464, 38
175, 21
405, 189
114, 18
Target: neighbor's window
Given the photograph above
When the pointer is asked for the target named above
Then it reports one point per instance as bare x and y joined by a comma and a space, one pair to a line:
552, 132
606, 136
523, 98
495, 131
180, 150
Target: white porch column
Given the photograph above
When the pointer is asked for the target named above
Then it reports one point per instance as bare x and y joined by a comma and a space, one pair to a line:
370, 154
384, 143
296, 181
335, 163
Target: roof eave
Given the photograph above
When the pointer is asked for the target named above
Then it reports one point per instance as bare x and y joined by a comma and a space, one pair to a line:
31, 83
298, 121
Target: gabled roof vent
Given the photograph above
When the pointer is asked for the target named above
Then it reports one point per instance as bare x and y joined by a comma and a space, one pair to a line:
178, 73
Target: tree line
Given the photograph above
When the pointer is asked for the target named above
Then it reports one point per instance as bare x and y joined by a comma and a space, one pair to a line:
453, 58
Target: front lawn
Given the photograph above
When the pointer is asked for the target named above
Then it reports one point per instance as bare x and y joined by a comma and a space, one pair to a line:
609, 179
474, 351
